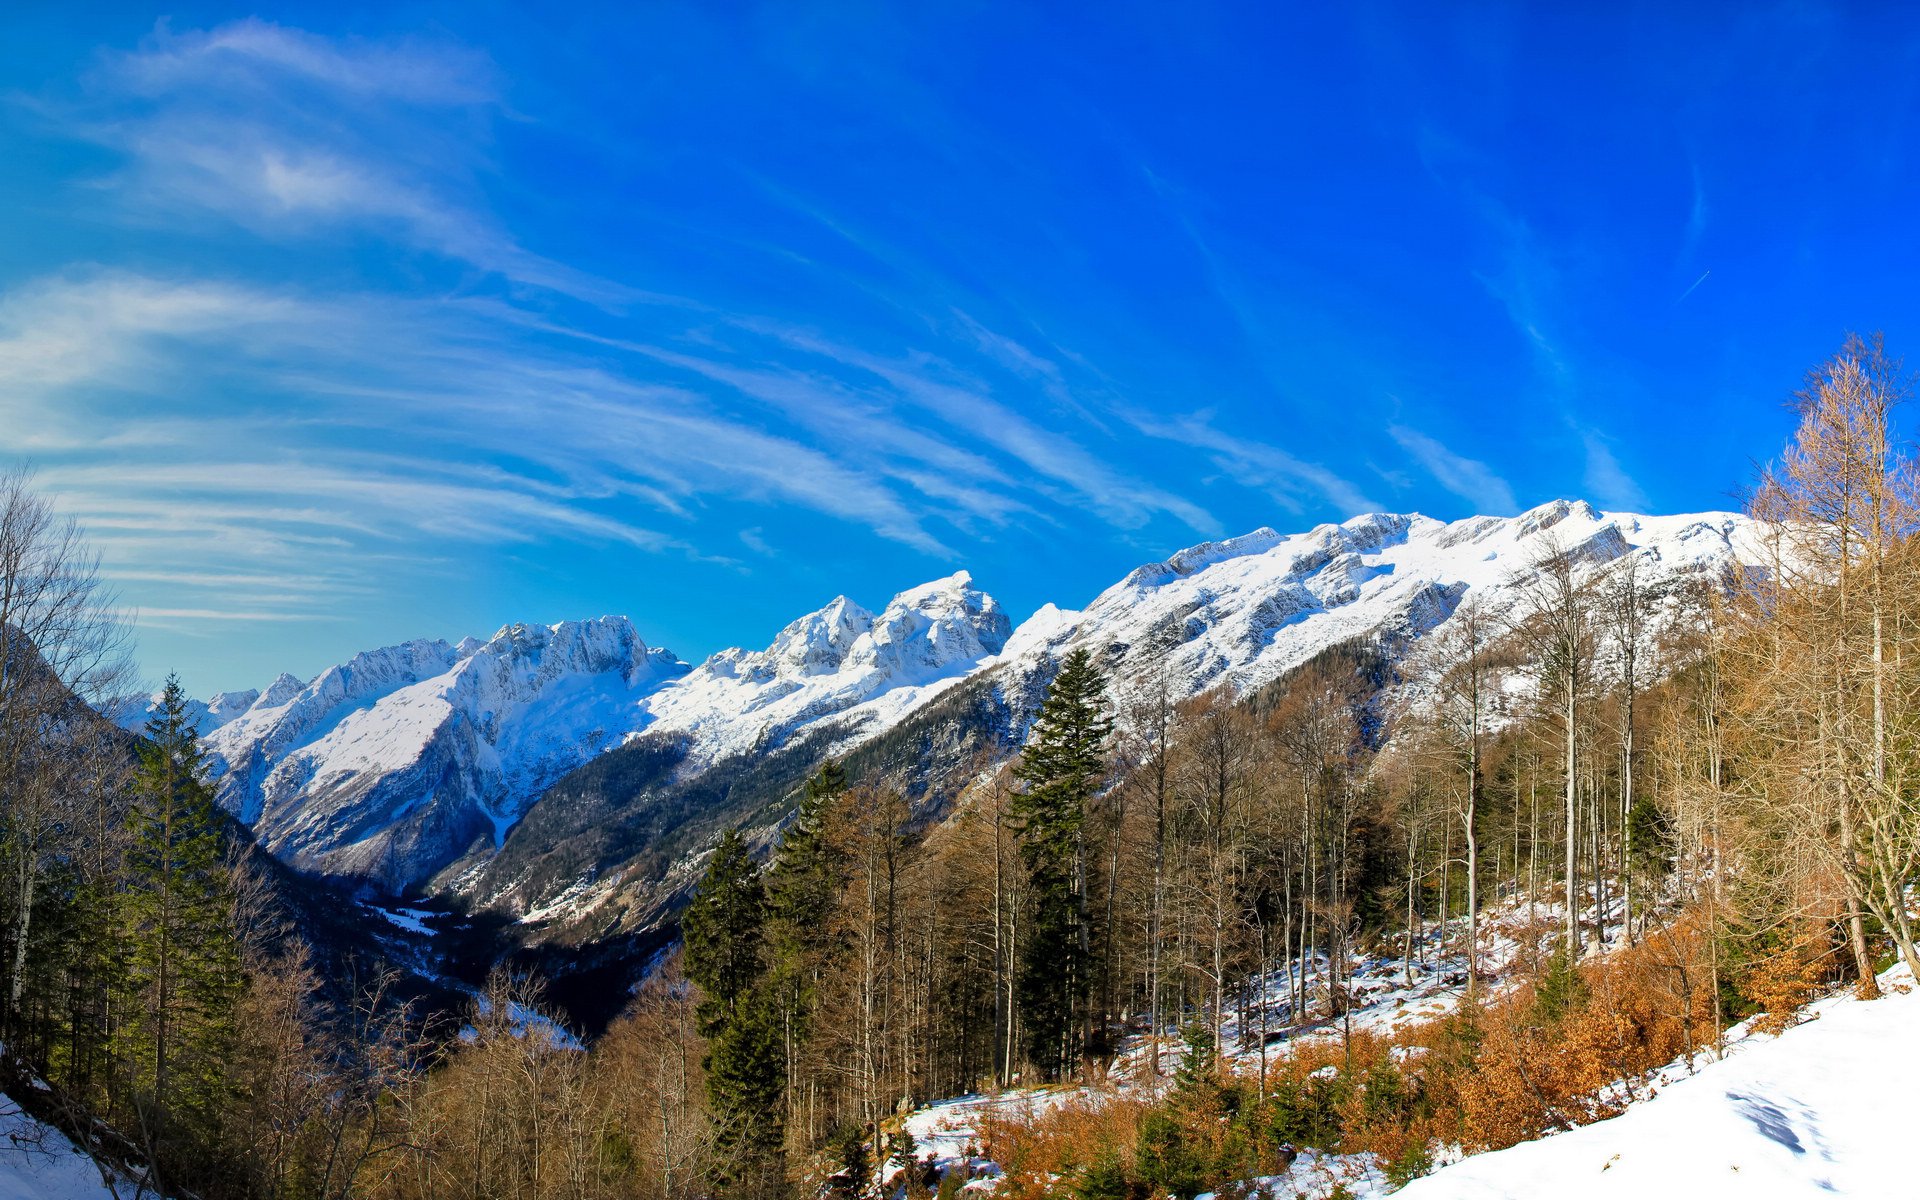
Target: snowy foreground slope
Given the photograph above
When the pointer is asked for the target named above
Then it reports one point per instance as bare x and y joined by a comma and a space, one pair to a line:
37, 1162
398, 762
1825, 1109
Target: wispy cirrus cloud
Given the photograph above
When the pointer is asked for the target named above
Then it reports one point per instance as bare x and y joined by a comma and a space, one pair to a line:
840, 415
237, 54
288, 134
1607, 481
241, 433
109, 328
1467, 478
1292, 481
1528, 279
508, 440
958, 400
229, 614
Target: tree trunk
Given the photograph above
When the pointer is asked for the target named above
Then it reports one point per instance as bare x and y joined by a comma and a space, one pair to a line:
1569, 717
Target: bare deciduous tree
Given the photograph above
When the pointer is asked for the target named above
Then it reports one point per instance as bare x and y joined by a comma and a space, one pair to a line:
63, 646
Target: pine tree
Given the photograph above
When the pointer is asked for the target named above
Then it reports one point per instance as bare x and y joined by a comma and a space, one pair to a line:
1062, 766
725, 929
803, 888
184, 975
807, 870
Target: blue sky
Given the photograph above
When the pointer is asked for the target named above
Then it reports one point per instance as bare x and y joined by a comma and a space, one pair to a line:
343, 324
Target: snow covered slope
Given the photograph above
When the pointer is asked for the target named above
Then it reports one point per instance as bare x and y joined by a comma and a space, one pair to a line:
1825, 1109
394, 763
38, 1162
1822, 1110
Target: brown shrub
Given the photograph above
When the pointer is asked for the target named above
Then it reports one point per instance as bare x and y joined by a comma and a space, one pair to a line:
1533, 1071
1781, 982
1039, 1147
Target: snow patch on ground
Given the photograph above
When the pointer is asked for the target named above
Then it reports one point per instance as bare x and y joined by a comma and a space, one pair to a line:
413, 920
37, 1162
523, 1023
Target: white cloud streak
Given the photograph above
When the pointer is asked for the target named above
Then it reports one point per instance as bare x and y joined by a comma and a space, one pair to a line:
1290, 480
951, 397
288, 134
1467, 478
1607, 481
266, 434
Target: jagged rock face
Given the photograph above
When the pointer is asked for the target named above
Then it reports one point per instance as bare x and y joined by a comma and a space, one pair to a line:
817, 643
396, 762
284, 688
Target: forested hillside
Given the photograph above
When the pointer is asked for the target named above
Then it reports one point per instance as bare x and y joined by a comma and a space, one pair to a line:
1605, 820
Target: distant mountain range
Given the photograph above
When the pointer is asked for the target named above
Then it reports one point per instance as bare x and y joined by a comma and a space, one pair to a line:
566, 774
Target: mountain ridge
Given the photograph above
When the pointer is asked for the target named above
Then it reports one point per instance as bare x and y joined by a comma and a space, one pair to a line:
403, 761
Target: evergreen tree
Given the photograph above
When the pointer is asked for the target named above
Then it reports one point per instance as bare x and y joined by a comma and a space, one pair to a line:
1062, 766
725, 930
803, 888
808, 869
746, 1083
183, 960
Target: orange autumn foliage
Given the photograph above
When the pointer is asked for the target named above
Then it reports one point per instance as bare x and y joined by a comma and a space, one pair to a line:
1535, 1070
1780, 982
1544, 1054
1038, 1147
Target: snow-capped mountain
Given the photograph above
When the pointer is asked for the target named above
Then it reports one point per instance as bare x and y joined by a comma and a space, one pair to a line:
841, 662
1244, 611
397, 761
401, 761
1238, 613
132, 712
